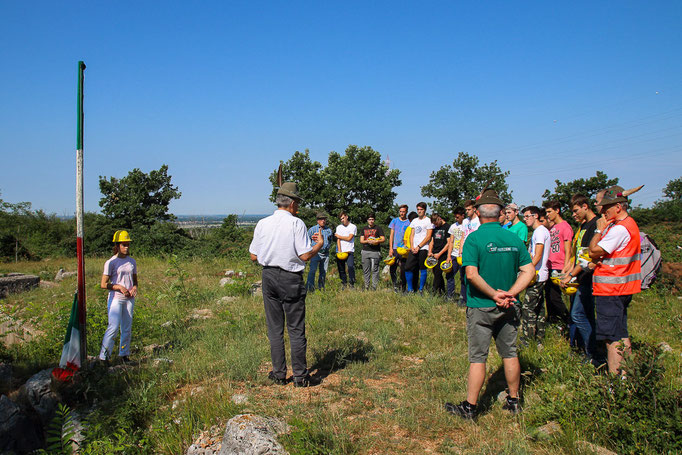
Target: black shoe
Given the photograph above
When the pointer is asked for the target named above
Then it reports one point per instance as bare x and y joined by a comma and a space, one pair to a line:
512, 405
276, 380
464, 410
306, 381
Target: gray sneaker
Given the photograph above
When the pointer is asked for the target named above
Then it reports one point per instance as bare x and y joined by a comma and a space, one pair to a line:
464, 410
512, 405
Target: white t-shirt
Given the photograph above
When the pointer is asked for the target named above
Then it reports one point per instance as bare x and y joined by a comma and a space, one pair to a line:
456, 231
120, 271
615, 238
469, 226
279, 240
420, 228
347, 246
541, 237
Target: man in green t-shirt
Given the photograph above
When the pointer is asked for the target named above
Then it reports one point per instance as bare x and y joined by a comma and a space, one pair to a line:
511, 214
493, 258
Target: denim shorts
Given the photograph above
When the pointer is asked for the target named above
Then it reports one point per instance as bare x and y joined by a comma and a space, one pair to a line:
486, 323
612, 316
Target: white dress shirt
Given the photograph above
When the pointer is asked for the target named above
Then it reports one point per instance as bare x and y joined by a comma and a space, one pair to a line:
279, 240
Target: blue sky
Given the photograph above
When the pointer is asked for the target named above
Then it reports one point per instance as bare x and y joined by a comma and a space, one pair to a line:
221, 91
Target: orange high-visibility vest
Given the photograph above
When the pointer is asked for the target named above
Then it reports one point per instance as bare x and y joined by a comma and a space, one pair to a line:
619, 273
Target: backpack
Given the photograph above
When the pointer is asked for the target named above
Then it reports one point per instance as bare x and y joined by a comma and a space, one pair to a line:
650, 260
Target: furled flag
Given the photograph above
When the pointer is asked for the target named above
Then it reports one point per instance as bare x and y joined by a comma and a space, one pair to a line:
71, 357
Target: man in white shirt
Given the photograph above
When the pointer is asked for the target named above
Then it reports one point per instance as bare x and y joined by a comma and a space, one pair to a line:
345, 243
281, 245
420, 236
456, 232
532, 306
470, 224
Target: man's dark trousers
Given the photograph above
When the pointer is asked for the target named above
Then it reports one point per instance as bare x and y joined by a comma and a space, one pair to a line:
556, 309
284, 300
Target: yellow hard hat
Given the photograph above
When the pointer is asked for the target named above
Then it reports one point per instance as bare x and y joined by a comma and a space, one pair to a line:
389, 260
342, 256
121, 236
569, 290
459, 260
402, 251
406, 237
445, 266
430, 262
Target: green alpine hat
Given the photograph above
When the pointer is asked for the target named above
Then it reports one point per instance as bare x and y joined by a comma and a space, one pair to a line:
488, 197
613, 195
289, 189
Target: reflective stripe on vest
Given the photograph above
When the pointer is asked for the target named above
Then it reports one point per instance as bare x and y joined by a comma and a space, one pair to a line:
617, 279
622, 261
619, 273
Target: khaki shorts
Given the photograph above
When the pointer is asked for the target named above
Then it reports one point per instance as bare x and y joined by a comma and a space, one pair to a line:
486, 323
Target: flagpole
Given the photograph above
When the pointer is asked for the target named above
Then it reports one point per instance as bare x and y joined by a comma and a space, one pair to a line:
79, 219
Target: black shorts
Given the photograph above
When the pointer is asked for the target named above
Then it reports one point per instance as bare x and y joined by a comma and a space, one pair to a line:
416, 261
612, 316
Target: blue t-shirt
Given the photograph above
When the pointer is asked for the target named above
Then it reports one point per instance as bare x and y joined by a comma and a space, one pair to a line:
326, 234
399, 226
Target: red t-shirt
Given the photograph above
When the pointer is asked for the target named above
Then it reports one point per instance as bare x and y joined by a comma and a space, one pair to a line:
558, 235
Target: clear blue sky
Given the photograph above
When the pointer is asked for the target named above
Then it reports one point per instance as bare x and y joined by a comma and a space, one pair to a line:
221, 91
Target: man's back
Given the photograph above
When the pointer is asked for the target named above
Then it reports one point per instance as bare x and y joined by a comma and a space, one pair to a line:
498, 254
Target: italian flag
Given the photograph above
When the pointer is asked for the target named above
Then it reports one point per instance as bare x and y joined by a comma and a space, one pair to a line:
71, 352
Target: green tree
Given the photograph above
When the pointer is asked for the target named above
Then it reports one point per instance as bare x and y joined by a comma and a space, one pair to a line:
138, 199
587, 187
673, 189
357, 181
450, 186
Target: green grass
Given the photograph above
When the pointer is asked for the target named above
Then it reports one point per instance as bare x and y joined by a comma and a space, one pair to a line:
390, 362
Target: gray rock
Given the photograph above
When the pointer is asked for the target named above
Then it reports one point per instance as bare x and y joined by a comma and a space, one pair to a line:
62, 274
227, 299
240, 398
167, 324
257, 289
549, 429
17, 433
225, 281
161, 360
156, 348
229, 273
502, 397
593, 448
13, 283
5, 377
208, 442
251, 434
38, 392
665, 347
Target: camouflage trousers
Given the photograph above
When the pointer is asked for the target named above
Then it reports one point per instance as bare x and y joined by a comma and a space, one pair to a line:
533, 313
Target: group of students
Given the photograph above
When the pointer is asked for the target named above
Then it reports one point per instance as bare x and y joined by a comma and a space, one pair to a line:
417, 243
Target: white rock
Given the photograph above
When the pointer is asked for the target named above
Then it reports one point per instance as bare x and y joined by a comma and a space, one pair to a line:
252, 434
229, 273
240, 398
225, 281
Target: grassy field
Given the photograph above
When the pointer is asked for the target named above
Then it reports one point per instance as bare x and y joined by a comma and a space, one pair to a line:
388, 364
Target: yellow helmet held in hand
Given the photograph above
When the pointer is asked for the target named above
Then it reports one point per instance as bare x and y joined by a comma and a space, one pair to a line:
445, 266
459, 260
570, 290
402, 251
342, 256
121, 236
389, 260
430, 262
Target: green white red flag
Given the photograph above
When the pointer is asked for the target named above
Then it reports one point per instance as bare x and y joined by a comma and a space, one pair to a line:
70, 361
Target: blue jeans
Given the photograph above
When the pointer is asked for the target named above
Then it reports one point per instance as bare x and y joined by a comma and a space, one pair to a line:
582, 316
350, 262
319, 261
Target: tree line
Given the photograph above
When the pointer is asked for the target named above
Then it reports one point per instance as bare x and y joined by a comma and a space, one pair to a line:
357, 181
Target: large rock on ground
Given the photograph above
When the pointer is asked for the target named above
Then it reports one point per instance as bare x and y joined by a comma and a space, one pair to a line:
17, 432
13, 283
38, 392
251, 434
